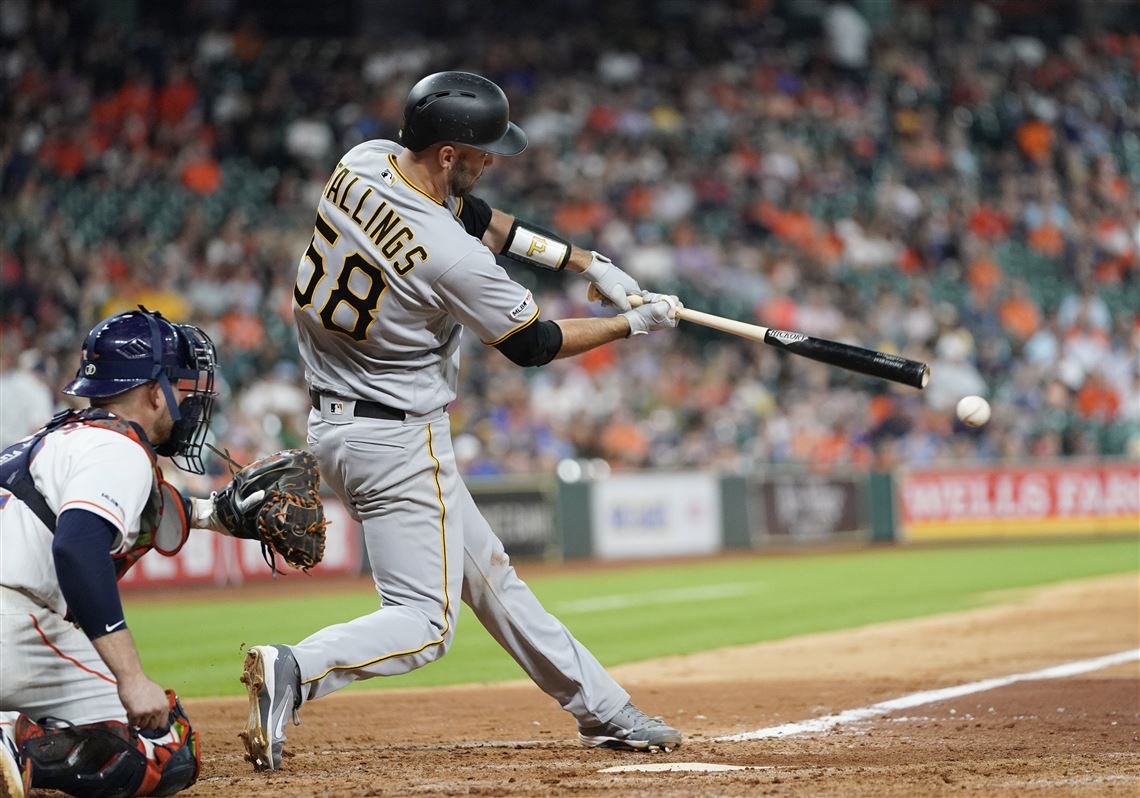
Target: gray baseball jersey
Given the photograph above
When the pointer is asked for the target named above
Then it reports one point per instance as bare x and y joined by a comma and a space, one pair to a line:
387, 284
389, 280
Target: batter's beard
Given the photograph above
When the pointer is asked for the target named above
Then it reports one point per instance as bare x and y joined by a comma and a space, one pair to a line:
463, 178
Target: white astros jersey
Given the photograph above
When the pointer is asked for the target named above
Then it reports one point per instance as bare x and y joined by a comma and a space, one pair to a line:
83, 467
387, 284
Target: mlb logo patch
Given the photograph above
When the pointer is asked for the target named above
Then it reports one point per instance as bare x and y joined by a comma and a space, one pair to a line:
336, 408
388, 177
522, 307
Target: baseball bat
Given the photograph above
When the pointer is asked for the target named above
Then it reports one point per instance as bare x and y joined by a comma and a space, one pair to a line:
845, 356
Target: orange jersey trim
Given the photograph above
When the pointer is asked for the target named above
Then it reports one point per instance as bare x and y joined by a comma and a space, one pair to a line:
72, 660
122, 526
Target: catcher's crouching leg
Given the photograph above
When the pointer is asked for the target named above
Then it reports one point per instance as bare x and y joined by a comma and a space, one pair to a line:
110, 759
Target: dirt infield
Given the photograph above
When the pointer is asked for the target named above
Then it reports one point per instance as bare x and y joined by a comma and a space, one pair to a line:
1078, 735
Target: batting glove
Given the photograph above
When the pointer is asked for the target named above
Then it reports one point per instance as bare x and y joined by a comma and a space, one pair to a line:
658, 313
610, 281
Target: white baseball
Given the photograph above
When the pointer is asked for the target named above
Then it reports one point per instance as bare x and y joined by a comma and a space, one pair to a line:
973, 411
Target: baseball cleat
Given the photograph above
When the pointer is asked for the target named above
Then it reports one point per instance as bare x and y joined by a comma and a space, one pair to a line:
13, 781
272, 679
631, 730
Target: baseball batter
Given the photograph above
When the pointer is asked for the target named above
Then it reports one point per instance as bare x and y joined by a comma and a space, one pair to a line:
82, 500
400, 263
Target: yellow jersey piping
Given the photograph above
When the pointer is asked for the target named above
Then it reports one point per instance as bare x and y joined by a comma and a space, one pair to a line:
410, 184
511, 332
446, 596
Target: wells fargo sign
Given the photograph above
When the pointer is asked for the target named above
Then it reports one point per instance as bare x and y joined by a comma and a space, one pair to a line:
1008, 501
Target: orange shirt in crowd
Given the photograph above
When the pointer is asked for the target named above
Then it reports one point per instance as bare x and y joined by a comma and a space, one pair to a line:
985, 222
243, 331
1097, 400
910, 262
203, 176
64, 157
574, 218
984, 275
1047, 239
596, 360
779, 312
622, 442
638, 202
1035, 139
176, 99
1020, 317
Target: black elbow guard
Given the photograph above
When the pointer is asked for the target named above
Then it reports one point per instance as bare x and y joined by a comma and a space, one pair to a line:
534, 345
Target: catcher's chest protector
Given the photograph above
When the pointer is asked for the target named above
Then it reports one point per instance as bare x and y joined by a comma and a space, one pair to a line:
163, 524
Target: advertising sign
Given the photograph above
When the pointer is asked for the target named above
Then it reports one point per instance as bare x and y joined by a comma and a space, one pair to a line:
656, 515
806, 508
522, 517
1010, 501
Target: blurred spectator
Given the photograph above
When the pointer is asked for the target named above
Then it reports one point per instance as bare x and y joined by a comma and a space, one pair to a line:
25, 398
848, 36
909, 176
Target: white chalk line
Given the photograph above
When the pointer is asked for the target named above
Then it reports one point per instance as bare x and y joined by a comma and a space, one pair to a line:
929, 697
671, 596
681, 767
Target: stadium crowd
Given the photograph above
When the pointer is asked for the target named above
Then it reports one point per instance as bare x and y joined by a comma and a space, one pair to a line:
922, 180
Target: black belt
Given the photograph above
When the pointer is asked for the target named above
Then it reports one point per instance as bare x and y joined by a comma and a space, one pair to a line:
363, 408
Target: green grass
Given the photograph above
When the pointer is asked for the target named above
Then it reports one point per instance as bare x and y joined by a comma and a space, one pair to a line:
637, 612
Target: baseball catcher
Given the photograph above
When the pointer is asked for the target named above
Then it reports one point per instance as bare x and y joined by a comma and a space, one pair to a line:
84, 499
273, 500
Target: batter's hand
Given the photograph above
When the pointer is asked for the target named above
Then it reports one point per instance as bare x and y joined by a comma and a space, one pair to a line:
658, 313
146, 703
609, 282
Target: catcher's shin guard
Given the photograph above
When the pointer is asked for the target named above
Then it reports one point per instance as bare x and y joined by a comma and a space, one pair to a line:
110, 759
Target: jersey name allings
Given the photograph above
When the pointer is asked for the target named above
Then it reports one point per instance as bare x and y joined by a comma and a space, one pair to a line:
385, 227
387, 284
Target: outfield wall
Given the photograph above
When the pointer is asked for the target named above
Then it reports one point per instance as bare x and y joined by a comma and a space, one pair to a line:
674, 514
644, 514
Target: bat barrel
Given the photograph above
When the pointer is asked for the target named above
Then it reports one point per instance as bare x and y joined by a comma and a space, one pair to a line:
853, 358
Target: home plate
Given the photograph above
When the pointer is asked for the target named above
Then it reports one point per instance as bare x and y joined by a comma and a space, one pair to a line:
685, 766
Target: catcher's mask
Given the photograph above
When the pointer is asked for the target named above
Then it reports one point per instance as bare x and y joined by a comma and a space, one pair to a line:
140, 346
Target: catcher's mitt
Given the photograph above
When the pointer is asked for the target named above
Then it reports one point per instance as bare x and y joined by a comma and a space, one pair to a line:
275, 500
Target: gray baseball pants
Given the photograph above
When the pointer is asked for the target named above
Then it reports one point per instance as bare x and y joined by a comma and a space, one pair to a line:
399, 479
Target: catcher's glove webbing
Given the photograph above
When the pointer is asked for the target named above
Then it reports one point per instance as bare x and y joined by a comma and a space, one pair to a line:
275, 500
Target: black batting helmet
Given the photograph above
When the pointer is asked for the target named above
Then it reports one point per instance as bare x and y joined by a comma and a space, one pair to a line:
460, 108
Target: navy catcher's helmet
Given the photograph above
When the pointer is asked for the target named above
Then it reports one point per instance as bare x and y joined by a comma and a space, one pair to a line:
460, 108
140, 346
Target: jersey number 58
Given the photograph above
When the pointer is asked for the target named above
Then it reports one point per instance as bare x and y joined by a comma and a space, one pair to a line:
363, 305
